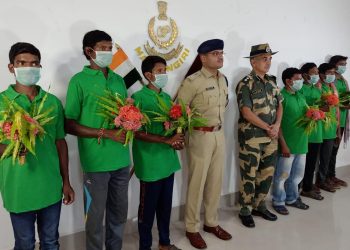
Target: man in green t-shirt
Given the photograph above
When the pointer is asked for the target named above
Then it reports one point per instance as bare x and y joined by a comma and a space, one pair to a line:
33, 191
312, 91
342, 86
155, 158
292, 145
329, 133
103, 157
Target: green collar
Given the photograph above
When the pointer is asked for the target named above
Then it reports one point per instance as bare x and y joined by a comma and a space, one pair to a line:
13, 94
152, 92
94, 72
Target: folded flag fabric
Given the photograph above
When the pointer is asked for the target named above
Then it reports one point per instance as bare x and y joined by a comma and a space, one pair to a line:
123, 67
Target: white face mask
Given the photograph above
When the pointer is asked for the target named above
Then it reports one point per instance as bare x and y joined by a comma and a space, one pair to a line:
27, 76
341, 69
314, 79
103, 58
160, 81
329, 78
297, 85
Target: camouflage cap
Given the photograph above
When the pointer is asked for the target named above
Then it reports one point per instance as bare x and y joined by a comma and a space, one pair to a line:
260, 49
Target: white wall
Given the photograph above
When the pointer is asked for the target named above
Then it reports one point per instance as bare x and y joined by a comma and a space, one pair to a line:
301, 30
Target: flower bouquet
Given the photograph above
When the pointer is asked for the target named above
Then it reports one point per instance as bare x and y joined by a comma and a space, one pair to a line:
121, 113
312, 116
178, 117
344, 99
19, 129
329, 99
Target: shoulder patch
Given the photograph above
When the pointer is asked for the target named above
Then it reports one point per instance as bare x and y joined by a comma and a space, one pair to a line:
194, 76
273, 78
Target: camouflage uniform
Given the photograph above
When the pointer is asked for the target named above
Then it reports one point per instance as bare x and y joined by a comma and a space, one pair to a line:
257, 151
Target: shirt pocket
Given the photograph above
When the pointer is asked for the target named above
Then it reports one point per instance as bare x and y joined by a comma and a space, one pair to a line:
208, 97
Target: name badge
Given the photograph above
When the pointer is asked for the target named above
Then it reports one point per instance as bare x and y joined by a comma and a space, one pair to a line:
257, 91
210, 88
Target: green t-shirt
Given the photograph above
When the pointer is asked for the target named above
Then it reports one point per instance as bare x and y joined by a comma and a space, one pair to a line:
37, 183
81, 105
153, 161
294, 108
331, 131
312, 94
341, 87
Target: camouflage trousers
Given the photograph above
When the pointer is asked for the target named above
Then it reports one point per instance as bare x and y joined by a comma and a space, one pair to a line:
257, 163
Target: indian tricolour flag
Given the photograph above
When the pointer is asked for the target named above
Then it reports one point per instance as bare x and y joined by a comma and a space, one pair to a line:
123, 67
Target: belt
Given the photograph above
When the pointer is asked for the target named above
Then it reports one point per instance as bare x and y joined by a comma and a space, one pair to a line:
208, 129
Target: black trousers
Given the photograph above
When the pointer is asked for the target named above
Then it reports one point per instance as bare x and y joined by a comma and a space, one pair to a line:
333, 159
312, 159
155, 199
325, 156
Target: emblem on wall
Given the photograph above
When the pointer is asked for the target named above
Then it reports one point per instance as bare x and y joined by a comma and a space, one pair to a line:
164, 39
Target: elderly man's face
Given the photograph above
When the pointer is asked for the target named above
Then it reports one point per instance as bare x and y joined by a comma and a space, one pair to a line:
261, 63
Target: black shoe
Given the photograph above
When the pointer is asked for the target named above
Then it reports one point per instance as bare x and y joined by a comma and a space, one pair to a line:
267, 215
247, 220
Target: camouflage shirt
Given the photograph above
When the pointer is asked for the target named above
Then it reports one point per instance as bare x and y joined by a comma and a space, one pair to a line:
263, 97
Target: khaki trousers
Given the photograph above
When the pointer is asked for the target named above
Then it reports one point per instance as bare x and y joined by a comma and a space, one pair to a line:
206, 158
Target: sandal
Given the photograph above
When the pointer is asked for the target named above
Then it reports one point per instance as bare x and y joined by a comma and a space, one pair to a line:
298, 204
281, 209
312, 195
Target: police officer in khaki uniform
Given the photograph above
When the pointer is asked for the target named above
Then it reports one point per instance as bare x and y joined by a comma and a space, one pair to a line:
206, 90
259, 101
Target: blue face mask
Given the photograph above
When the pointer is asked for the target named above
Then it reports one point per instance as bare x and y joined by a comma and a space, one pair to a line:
341, 69
161, 80
297, 85
314, 79
329, 78
103, 58
27, 76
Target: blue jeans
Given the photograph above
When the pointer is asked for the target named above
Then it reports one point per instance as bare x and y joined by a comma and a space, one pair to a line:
47, 220
289, 173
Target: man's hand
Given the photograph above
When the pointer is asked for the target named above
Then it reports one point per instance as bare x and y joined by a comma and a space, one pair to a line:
285, 151
115, 135
273, 131
324, 108
339, 136
68, 194
177, 141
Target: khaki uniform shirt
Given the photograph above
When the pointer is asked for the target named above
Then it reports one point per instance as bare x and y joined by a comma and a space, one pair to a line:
207, 93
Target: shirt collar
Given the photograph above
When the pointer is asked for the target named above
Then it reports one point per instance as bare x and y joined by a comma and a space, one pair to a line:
151, 91
93, 72
13, 94
208, 74
258, 77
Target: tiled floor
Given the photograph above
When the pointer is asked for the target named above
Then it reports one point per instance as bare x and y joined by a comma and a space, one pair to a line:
325, 226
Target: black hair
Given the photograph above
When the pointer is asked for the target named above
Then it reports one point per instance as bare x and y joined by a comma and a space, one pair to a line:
307, 66
335, 59
289, 73
92, 37
324, 67
149, 62
21, 48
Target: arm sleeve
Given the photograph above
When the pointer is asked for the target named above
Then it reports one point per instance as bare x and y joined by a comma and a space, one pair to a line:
60, 133
74, 100
243, 96
187, 92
